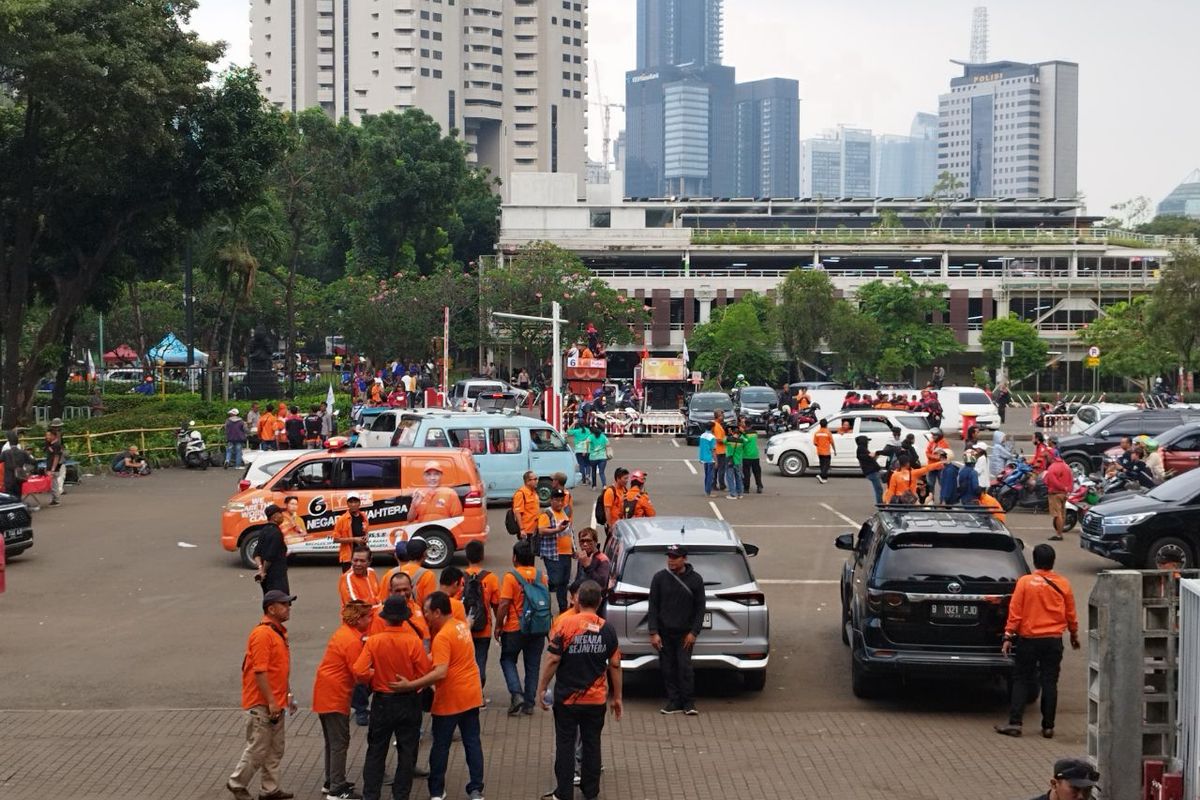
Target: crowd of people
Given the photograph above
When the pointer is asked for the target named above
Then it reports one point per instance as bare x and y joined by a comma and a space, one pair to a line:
26, 476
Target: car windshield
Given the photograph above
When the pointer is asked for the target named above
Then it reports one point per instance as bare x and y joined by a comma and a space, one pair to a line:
407, 432
1181, 489
711, 402
758, 396
938, 557
973, 399
913, 422
720, 569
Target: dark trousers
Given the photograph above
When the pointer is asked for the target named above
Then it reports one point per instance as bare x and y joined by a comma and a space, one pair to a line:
1001, 409
529, 648
583, 723
751, 466
396, 715
823, 465
1034, 660
360, 698
675, 661
721, 472
558, 574
482, 645
336, 730
439, 752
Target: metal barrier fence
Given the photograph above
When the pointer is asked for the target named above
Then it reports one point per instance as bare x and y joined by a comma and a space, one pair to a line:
41, 414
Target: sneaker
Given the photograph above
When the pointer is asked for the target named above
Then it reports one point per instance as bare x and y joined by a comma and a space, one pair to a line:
238, 793
1007, 730
438, 797
515, 706
1055, 538
690, 710
475, 794
344, 794
550, 795
527, 710
670, 708
56, 503
822, 480
758, 490
730, 497
362, 718
1047, 733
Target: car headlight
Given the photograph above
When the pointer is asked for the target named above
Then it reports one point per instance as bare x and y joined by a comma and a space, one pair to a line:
1126, 520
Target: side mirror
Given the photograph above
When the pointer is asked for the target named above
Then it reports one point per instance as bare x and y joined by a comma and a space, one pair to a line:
751, 549
844, 542
1104, 432
1020, 543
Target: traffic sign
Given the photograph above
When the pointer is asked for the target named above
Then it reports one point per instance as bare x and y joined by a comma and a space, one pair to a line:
1094, 352
1091, 362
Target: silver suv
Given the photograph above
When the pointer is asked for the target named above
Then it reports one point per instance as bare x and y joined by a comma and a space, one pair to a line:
737, 629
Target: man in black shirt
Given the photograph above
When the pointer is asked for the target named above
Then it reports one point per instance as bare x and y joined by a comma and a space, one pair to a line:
293, 426
312, 429
675, 618
271, 554
1074, 779
56, 465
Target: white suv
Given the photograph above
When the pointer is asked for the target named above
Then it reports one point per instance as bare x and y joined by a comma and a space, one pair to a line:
794, 454
463, 395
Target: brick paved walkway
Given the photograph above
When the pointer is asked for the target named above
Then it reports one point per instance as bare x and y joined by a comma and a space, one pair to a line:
183, 754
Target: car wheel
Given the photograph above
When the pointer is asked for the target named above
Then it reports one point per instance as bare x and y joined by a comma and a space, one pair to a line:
755, 680
1070, 519
793, 464
248, 548
864, 686
1079, 466
543, 490
194, 460
1169, 550
440, 548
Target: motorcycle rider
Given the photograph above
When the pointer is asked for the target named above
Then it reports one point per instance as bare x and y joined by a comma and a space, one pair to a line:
1137, 470
741, 382
1000, 455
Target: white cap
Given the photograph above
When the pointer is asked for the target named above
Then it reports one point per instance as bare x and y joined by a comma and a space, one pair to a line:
233, 412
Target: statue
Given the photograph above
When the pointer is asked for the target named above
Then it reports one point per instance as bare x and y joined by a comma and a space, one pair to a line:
261, 381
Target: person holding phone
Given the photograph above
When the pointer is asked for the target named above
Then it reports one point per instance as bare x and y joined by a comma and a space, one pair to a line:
556, 545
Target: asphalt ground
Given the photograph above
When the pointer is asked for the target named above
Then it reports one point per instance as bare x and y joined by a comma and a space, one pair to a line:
127, 602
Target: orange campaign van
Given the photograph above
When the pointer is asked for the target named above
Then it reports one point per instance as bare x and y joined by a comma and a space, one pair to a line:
435, 493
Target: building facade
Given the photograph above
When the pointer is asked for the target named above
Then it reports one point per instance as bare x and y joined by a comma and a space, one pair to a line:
839, 163
1184, 199
509, 75
906, 166
1007, 129
677, 32
768, 138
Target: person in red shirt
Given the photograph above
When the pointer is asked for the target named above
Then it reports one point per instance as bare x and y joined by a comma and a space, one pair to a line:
823, 442
1058, 479
266, 693
331, 692
1041, 608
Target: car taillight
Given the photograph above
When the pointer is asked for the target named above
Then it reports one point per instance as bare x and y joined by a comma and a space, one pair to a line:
746, 598
243, 485
626, 598
892, 601
473, 499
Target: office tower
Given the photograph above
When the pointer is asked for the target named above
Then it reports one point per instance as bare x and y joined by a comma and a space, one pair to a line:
768, 138
510, 76
1008, 129
676, 32
906, 166
1184, 200
821, 167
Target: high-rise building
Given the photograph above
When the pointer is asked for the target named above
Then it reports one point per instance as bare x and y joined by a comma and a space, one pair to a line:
839, 163
510, 76
906, 166
1008, 129
768, 138
677, 32
1184, 199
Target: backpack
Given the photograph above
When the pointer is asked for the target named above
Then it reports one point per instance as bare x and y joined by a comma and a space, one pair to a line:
629, 506
473, 601
600, 512
511, 523
535, 612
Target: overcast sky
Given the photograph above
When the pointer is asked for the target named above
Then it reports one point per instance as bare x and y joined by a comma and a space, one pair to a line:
874, 63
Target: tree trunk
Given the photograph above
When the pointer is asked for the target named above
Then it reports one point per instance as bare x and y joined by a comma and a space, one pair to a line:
290, 300
135, 304
228, 350
58, 398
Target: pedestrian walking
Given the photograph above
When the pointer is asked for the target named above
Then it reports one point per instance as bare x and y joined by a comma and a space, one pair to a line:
707, 456
457, 697
481, 597
235, 439
599, 452
556, 545
593, 565
823, 443
1059, 481
350, 530
266, 694
526, 505
266, 429
331, 695
718, 429
868, 462
525, 611
56, 460
394, 653
733, 463
582, 658
1001, 397
1073, 779
581, 443
1041, 608
675, 618
271, 554
751, 461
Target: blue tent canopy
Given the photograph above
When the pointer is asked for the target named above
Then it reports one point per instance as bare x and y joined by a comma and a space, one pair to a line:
174, 353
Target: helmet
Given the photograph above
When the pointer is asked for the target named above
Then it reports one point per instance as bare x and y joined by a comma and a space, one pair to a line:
741, 377
936, 433
637, 476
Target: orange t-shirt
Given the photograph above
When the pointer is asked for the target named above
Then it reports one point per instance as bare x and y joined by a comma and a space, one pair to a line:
823, 441
335, 674
719, 432
424, 585
510, 589
434, 504
570, 612
491, 597
526, 507
266, 651
266, 427
366, 588
614, 504
565, 540
458, 610
342, 529
396, 652
461, 689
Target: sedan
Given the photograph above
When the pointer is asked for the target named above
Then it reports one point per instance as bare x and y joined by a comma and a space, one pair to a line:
794, 453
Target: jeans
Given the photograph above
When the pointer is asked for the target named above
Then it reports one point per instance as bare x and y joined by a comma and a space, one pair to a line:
233, 454
710, 474
269, 445
675, 662
877, 485
335, 728
720, 472
529, 647
558, 573
1035, 659
482, 645
598, 466
733, 479
823, 465
443, 726
585, 466
396, 715
585, 722
752, 466
360, 698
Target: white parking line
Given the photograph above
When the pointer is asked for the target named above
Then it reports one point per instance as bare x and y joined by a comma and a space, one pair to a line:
675, 442
795, 582
846, 519
688, 464
716, 510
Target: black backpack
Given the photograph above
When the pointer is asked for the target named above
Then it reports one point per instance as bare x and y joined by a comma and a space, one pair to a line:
629, 506
473, 601
511, 523
601, 515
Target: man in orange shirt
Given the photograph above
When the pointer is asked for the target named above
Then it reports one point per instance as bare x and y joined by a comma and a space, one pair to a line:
281, 416
527, 505
823, 443
555, 543
394, 653
424, 581
331, 693
266, 693
350, 530
360, 582
614, 500
450, 583
434, 501
582, 658
902, 486
513, 643
1041, 608
718, 432
401, 584
456, 699
489, 598
266, 430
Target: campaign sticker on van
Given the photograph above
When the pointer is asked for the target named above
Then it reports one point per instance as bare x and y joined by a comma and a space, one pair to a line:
389, 519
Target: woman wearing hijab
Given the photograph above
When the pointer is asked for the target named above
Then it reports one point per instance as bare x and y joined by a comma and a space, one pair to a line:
1000, 454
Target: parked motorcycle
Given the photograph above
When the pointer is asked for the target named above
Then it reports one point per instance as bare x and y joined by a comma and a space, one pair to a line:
189, 445
1085, 495
1014, 488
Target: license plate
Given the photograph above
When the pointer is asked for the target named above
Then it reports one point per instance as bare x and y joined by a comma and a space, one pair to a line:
954, 612
707, 619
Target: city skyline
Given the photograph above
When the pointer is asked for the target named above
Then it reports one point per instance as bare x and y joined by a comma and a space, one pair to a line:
856, 77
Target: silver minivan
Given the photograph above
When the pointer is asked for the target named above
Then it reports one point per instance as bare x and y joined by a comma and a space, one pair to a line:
736, 630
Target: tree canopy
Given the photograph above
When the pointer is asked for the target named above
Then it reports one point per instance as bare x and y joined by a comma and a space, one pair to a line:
805, 312
736, 339
903, 310
1029, 351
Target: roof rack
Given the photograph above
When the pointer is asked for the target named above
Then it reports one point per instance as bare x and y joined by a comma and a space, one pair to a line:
935, 509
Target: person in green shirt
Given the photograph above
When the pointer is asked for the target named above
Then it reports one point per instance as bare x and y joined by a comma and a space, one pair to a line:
751, 465
581, 439
598, 455
734, 448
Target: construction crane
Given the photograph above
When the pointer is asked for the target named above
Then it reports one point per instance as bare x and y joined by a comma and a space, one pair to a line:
603, 103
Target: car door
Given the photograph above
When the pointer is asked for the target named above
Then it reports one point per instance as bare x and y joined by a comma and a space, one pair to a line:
376, 481
312, 483
549, 453
843, 444
380, 432
877, 430
508, 460
1183, 455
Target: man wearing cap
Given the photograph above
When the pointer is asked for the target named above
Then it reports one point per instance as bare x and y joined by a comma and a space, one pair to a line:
331, 694
1074, 779
266, 693
675, 618
235, 439
271, 553
434, 501
394, 653
350, 530
56, 462
556, 545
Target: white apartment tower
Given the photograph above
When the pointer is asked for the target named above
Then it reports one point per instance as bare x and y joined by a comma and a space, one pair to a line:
509, 75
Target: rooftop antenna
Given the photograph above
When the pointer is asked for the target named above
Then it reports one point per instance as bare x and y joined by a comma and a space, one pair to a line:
979, 36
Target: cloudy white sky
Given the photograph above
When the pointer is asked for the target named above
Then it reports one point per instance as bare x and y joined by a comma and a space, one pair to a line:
874, 63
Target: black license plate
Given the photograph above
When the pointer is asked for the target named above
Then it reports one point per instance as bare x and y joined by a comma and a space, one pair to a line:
954, 612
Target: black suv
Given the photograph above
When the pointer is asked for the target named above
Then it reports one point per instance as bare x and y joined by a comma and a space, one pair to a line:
1151, 530
1084, 452
755, 404
16, 525
700, 408
927, 591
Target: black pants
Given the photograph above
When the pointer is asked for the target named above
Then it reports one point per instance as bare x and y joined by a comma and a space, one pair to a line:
584, 722
396, 715
336, 731
721, 472
1000, 409
1036, 659
823, 465
751, 466
675, 661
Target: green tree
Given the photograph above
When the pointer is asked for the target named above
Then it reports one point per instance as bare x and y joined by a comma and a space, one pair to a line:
1168, 225
804, 313
735, 341
1029, 351
944, 194
903, 309
1129, 213
855, 341
888, 220
1128, 348
1175, 310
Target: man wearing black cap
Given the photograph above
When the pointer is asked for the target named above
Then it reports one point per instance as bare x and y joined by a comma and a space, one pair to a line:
271, 554
1073, 779
675, 618
266, 694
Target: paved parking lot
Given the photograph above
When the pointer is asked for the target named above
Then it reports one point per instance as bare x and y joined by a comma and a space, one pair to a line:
122, 632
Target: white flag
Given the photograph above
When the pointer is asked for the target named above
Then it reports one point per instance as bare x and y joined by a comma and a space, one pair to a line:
91, 367
329, 397
686, 357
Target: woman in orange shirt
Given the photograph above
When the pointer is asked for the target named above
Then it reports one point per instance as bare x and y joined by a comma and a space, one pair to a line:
902, 486
332, 688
